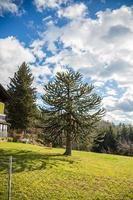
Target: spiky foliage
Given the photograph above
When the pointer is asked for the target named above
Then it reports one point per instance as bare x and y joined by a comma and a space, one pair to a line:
22, 107
70, 107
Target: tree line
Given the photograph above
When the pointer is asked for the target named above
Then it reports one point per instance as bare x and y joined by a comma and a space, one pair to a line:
115, 139
70, 114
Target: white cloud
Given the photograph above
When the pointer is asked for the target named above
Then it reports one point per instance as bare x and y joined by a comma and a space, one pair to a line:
101, 48
40, 73
119, 109
110, 102
115, 111
43, 4
8, 6
87, 45
12, 54
73, 11
119, 116
99, 83
111, 91
126, 102
36, 47
70, 58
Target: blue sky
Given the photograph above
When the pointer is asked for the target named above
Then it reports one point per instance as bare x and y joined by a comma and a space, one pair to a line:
92, 36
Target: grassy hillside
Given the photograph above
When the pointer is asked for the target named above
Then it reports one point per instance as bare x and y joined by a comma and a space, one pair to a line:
45, 174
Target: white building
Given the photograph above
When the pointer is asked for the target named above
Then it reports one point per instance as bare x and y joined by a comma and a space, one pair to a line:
3, 100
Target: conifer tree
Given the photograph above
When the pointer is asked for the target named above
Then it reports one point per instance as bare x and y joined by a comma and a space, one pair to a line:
22, 107
70, 107
98, 143
131, 133
105, 141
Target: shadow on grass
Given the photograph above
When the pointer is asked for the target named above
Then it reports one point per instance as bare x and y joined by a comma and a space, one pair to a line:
28, 160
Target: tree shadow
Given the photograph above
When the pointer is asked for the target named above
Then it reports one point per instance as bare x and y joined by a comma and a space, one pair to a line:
24, 160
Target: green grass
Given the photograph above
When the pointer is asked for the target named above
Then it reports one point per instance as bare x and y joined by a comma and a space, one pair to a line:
45, 174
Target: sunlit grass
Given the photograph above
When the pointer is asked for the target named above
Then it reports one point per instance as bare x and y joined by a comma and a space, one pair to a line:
45, 174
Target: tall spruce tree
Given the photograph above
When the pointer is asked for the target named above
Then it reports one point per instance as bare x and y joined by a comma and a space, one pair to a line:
70, 107
22, 107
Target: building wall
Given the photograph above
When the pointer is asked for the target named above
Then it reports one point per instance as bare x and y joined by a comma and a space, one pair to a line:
2, 107
3, 100
3, 126
3, 130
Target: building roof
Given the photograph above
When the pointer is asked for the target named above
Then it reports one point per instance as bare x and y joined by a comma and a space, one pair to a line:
4, 96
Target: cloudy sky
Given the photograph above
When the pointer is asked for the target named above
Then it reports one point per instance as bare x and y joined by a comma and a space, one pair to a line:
92, 36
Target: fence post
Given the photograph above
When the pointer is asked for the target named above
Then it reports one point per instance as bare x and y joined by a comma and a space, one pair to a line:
9, 178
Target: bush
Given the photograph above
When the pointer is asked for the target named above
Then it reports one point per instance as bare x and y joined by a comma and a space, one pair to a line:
10, 139
3, 139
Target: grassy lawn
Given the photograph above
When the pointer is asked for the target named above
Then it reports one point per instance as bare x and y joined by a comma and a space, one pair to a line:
45, 174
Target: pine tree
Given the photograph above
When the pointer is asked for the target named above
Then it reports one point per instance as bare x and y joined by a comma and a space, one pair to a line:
110, 143
98, 143
71, 107
22, 107
124, 132
131, 133
105, 141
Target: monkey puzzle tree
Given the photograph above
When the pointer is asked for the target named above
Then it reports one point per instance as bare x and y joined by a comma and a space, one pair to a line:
70, 107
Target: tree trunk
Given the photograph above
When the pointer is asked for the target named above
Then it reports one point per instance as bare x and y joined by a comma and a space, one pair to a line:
68, 151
